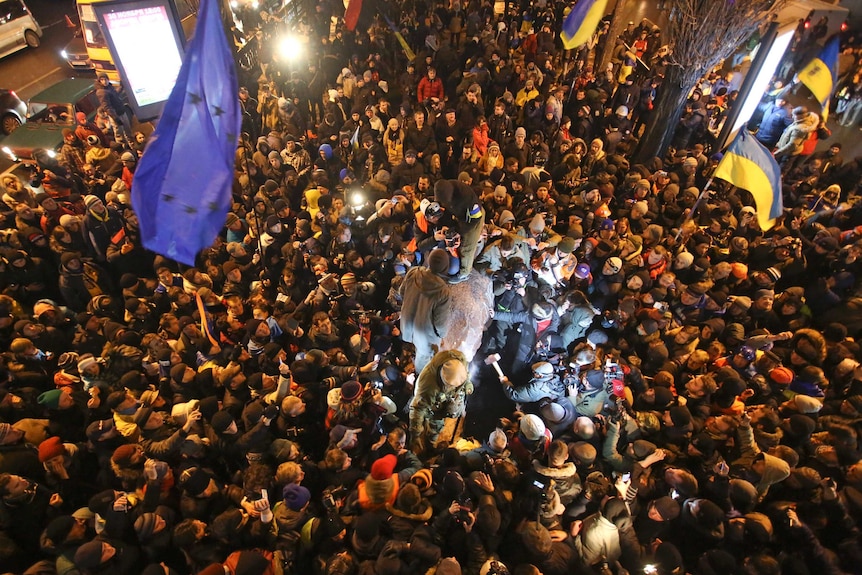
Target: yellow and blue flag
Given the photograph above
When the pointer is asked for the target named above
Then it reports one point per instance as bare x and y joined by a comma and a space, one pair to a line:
747, 164
820, 75
182, 185
580, 24
400, 37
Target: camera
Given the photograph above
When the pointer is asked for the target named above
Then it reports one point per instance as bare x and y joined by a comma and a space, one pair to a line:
329, 501
362, 314
452, 237
331, 497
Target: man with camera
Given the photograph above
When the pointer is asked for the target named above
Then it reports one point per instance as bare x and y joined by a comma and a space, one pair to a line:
463, 203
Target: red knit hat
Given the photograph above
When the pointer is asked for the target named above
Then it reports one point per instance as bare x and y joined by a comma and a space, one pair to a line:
782, 375
384, 467
51, 448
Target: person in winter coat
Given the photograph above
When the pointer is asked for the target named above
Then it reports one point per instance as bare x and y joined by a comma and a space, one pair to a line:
380, 487
112, 102
599, 540
406, 172
790, 143
540, 320
761, 469
543, 384
393, 142
776, 119
409, 511
441, 391
425, 307
462, 202
429, 87
81, 281
556, 467
103, 226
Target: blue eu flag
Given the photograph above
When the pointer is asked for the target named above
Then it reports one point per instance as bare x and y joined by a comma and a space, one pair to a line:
182, 186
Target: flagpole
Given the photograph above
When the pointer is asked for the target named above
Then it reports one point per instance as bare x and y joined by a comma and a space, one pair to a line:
252, 193
690, 215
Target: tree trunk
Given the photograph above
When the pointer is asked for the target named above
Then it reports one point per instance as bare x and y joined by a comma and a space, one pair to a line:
613, 34
669, 106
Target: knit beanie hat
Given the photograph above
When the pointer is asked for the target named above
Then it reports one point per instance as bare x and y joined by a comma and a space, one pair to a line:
250, 563
295, 496
195, 480
643, 448
58, 529
89, 555
438, 261
743, 495
51, 448
122, 455
145, 525
532, 427
221, 420
50, 399
384, 467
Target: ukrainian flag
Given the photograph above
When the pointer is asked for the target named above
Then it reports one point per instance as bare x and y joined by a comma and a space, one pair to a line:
820, 75
747, 164
580, 24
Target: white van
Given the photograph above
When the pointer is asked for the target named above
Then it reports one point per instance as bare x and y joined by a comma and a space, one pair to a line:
18, 28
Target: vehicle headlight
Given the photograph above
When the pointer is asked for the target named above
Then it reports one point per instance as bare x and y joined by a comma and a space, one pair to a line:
64, 54
8, 151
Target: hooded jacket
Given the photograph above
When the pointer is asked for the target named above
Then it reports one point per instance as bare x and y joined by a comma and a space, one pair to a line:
566, 481
425, 307
537, 389
792, 139
598, 540
402, 524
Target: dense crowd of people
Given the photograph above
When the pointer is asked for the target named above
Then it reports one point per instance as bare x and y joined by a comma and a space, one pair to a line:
682, 389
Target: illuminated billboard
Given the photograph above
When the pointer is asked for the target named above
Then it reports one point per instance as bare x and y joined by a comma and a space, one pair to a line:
146, 42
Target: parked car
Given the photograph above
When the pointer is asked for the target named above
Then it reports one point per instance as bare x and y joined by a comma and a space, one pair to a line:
13, 111
18, 28
48, 113
75, 54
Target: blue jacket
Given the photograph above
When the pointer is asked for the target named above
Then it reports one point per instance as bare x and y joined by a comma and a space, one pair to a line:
775, 120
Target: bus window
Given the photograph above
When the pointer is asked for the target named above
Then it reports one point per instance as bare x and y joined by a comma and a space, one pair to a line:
92, 32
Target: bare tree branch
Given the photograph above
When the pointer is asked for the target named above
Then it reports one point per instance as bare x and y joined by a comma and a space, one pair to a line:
702, 33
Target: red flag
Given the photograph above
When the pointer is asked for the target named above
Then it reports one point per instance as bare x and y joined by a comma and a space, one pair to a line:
351, 15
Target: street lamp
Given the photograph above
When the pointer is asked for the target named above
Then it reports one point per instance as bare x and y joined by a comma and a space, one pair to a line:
291, 47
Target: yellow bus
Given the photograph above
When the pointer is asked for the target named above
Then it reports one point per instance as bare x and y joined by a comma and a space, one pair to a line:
97, 48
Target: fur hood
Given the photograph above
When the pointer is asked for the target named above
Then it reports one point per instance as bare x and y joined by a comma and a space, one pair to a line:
379, 491
426, 514
127, 475
564, 472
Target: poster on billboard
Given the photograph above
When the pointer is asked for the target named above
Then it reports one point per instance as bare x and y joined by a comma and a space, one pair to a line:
146, 42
